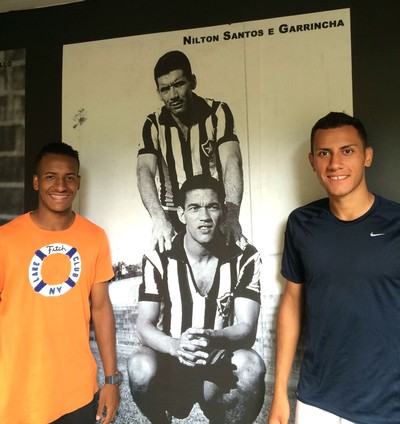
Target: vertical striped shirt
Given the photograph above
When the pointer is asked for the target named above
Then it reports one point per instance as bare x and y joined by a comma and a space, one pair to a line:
168, 279
179, 158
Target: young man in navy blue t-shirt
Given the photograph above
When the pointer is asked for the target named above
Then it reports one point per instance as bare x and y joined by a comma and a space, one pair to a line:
342, 264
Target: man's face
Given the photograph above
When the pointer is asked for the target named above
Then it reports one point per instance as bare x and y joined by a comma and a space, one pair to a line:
57, 182
339, 160
202, 215
175, 90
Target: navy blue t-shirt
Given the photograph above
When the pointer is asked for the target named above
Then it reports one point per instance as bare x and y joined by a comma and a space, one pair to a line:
351, 272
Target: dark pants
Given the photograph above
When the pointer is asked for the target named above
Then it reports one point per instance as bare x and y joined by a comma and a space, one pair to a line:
84, 415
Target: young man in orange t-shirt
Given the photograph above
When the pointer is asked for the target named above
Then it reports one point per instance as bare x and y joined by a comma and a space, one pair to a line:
54, 271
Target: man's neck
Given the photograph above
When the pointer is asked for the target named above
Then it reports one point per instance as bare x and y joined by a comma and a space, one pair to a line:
184, 122
351, 207
196, 252
51, 221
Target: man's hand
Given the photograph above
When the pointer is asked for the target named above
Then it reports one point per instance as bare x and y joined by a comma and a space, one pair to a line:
280, 410
232, 230
162, 234
108, 403
193, 347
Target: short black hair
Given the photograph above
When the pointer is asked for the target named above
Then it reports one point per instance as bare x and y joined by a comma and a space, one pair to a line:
171, 61
201, 181
57, 148
337, 120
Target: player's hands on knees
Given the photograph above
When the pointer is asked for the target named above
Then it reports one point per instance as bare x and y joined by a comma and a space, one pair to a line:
193, 347
280, 410
162, 234
108, 403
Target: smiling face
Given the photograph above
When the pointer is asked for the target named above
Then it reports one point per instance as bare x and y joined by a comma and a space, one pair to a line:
339, 159
175, 90
202, 214
57, 182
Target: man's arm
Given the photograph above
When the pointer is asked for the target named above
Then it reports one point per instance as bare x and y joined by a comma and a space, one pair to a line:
231, 162
241, 335
288, 331
149, 335
163, 231
104, 327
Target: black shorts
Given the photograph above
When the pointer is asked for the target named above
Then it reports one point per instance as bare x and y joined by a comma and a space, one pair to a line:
84, 415
184, 386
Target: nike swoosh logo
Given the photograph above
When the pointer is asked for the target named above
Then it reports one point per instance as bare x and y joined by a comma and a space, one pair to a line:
376, 234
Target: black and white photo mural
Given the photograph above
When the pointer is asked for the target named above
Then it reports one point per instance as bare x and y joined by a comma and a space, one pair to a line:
276, 76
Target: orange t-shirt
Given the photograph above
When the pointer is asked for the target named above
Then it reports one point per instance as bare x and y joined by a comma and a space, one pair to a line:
46, 366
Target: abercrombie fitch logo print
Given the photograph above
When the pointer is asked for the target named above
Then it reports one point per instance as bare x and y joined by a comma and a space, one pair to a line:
57, 288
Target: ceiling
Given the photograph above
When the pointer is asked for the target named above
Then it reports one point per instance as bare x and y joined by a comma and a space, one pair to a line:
12, 5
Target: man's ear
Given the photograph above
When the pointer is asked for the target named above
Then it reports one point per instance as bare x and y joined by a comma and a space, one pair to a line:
194, 82
311, 160
159, 94
369, 155
224, 210
181, 215
35, 182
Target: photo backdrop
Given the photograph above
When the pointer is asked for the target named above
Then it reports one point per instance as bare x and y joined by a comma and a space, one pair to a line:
277, 75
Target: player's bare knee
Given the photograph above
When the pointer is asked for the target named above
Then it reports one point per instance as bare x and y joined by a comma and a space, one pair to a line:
142, 368
250, 368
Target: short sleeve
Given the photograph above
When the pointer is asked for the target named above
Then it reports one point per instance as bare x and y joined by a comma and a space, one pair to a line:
225, 129
149, 141
249, 274
292, 267
149, 289
104, 269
